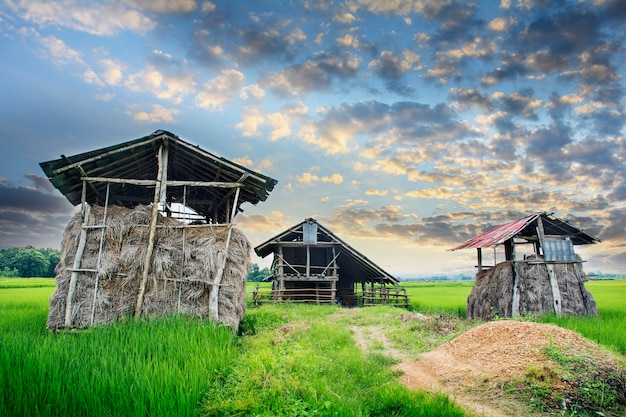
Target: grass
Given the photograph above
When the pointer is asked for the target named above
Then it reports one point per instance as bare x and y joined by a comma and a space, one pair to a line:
607, 328
431, 297
292, 361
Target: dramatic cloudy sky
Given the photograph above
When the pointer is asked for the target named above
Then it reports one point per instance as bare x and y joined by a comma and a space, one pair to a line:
405, 126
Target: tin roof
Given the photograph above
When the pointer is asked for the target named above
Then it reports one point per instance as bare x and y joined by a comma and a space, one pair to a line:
526, 228
136, 160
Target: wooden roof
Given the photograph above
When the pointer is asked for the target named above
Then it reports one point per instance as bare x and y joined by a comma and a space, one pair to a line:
352, 264
136, 160
526, 228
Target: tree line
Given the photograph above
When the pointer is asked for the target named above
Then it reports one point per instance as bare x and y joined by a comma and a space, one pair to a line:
28, 262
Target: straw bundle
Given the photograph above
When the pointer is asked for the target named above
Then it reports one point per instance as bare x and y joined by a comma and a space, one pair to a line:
183, 267
492, 294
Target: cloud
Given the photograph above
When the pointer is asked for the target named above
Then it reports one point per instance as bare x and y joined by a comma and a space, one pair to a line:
220, 90
316, 74
32, 215
309, 179
101, 19
157, 114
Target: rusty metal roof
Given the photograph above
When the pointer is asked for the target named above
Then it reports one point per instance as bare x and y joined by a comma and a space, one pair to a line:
136, 159
352, 264
526, 228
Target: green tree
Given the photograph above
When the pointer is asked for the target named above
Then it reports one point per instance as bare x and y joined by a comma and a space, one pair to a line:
29, 262
256, 274
54, 256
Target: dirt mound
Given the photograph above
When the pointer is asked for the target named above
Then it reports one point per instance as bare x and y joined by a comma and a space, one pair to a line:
470, 366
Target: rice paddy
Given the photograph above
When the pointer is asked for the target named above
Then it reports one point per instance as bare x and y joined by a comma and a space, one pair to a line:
290, 361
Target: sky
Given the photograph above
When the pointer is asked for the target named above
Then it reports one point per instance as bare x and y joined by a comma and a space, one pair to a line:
404, 126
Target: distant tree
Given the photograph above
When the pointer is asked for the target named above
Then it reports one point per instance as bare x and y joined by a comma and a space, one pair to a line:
54, 256
256, 274
28, 262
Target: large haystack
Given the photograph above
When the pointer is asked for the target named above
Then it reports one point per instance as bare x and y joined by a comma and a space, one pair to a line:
177, 283
494, 292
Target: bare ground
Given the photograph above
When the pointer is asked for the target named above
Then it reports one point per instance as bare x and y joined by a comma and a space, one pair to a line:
473, 367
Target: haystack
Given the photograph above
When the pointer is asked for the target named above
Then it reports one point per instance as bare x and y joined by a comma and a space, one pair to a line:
495, 293
183, 267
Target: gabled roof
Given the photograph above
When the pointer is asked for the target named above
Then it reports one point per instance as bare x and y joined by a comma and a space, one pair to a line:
352, 264
136, 159
526, 228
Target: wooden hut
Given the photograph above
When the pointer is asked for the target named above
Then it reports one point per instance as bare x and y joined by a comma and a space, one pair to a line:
154, 234
311, 264
540, 271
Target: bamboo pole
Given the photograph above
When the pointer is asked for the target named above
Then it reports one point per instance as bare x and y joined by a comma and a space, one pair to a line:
222, 259
77, 259
162, 172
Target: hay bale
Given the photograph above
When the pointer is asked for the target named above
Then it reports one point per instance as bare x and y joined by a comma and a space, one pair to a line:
492, 294
179, 281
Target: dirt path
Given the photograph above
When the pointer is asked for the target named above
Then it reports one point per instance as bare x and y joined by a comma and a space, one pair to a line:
472, 368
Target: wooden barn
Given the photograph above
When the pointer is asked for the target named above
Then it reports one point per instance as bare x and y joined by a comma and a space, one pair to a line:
154, 233
539, 271
311, 264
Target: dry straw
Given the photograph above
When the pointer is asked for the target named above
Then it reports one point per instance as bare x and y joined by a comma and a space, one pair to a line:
493, 296
183, 267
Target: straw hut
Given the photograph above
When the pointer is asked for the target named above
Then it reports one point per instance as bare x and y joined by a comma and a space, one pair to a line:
154, 233
549, 278
311, 264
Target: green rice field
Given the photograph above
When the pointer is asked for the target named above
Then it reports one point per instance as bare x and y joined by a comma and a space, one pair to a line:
292, 360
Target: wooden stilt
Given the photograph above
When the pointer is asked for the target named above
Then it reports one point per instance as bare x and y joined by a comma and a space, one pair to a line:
158, 192
516, 293
222, 258
556, 293
76, 266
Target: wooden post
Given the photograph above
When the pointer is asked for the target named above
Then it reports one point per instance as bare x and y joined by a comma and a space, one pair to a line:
516, 294
556, 293
77, 259
281, 271
222, 258
540, 234
480, 259
159, 190
308, 261
509, 250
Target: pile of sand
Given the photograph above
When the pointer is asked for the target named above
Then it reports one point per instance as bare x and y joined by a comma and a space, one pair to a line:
489, 355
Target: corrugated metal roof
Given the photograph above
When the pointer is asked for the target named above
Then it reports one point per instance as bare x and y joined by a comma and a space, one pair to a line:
136, 159
352, 264
497, 234
526, 228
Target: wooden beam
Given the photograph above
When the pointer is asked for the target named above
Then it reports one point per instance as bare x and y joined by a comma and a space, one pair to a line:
102, 155
172, 183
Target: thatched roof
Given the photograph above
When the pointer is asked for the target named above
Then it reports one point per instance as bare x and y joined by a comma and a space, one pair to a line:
352, 264
136, 160
526, 228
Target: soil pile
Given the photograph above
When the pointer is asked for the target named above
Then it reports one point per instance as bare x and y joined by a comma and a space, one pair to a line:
474, 367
